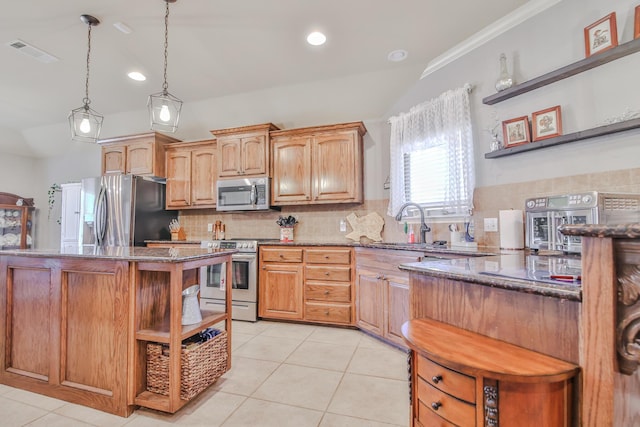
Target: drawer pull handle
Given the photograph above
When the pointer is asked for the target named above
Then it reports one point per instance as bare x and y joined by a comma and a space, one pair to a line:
436, 379
436, 405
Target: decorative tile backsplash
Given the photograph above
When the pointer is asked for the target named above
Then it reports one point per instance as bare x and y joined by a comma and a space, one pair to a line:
322, 223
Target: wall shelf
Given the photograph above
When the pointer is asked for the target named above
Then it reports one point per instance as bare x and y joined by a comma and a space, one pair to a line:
593, 61
563, 139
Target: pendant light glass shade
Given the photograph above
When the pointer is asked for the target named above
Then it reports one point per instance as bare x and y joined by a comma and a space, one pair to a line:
164, 108
164, 111
85, 124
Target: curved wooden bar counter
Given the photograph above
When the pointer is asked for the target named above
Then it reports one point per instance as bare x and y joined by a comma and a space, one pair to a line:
467, 379
74, 324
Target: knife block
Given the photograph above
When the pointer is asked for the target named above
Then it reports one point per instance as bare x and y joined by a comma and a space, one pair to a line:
178, 235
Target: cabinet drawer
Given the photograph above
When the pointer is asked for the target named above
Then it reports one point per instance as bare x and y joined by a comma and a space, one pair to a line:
330, 313
332, 273
340, 292
449, 408
281, 254
328, 256
427, 417
452, 382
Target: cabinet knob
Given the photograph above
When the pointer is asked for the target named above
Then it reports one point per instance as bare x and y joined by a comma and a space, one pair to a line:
436, 379
326, 292
379, 276
436, 405
281, 255
326, 274
264, 268
326, 257
326, 312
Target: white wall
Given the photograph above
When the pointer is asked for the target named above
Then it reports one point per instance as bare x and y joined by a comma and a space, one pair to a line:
548, 41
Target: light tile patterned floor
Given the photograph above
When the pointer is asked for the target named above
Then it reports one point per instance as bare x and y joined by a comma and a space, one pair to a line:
283, 374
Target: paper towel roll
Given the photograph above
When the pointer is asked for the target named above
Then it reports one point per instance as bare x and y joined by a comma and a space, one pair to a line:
511, 229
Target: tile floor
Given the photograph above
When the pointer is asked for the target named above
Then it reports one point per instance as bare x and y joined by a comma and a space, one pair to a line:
282, 375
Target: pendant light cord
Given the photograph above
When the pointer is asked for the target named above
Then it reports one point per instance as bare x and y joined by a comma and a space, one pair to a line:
165, 85
86, 99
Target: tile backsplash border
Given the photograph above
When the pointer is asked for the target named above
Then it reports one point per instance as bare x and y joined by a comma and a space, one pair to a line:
321, 223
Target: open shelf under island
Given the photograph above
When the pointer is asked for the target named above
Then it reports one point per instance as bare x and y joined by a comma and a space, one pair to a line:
75, 324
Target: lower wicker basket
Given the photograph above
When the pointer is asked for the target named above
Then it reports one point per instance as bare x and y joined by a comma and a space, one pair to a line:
199, 366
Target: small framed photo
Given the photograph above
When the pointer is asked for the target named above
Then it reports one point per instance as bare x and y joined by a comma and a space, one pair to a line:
516, 131
546, 123
601, 35
636, 27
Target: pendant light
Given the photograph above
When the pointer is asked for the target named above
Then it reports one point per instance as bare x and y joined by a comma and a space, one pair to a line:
164, 108
84, 122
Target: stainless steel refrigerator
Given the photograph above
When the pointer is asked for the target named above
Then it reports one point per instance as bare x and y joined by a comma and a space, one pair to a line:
123, 210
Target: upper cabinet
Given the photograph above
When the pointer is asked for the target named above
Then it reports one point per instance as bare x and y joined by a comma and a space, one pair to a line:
141, 154
243, 151
318, 165
191, 175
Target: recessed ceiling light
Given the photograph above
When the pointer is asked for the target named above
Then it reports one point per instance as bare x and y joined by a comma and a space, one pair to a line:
316, 38
397, 55
137, 76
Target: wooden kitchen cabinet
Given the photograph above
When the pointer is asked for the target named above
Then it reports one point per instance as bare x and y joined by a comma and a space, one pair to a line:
462, 378
311, 284
317, 165
280, 277
141, 154
382, 291
243, 151
191, 175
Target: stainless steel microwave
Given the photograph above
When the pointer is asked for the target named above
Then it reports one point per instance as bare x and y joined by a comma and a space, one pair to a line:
243, 194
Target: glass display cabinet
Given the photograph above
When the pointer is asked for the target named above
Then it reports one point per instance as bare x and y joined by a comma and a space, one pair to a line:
16, 222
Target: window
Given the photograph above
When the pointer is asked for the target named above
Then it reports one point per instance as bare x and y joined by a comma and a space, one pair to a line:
432, 156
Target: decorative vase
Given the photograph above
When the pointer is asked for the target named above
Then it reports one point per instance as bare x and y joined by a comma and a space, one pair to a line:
505, 81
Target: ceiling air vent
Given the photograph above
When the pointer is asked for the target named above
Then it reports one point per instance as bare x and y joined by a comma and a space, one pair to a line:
32, 51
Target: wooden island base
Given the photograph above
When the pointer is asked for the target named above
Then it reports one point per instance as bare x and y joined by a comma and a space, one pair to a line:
463, 378
76, 327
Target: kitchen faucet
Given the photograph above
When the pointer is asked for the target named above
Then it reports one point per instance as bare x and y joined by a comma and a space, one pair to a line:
424, 228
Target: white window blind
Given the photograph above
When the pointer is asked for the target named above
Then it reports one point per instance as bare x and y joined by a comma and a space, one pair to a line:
432, 156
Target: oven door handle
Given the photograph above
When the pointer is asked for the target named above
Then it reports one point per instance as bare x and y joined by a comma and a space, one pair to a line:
243, 257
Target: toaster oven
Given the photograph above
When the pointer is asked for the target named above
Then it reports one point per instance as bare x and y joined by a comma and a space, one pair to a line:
545, 214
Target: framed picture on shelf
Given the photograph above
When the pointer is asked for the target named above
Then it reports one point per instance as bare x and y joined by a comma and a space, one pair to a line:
636, 27
516, 131
601, 35
546, 123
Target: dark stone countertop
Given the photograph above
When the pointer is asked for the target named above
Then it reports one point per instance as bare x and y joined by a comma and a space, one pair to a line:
620, 231
520, 272
123, 253
399, 246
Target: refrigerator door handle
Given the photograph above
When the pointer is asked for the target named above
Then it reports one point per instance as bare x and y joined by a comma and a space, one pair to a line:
100, 216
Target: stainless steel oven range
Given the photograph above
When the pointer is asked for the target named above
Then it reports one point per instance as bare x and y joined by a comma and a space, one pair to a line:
244, 280
546, 214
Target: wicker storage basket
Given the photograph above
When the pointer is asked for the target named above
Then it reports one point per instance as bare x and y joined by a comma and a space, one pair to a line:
199, 366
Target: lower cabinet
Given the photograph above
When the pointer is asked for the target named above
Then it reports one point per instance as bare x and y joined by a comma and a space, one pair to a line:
461, 378
382, 303
312, 284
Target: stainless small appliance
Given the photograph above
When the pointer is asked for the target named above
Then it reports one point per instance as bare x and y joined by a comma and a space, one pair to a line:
244, 280
244, 194
123, 210
545, 214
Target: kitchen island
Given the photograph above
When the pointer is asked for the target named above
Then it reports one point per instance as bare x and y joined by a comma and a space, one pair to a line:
593, 325
75, 323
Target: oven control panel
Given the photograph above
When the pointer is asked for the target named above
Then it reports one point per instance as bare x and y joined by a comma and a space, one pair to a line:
563, 202
240, 245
